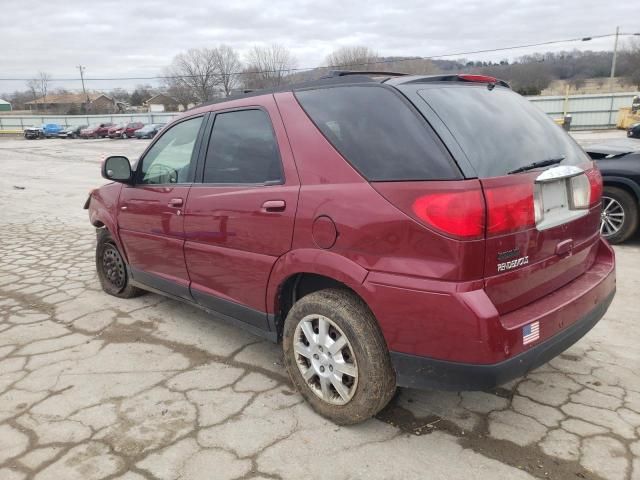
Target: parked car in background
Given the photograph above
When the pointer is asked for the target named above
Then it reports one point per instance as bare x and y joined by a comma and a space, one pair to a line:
32, 133
125, 130
421, 231
634, 131
149, 131
620, 169
72, 132
98, 130
47, 130
116, 130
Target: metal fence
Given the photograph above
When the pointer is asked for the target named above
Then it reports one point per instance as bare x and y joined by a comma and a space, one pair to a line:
20, 122
587, 111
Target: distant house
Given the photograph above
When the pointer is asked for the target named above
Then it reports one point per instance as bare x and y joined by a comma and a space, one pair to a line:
73, 103
162, 103
4, 106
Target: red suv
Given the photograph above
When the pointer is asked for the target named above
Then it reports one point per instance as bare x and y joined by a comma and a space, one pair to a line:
125, 130
420, 231
98, 130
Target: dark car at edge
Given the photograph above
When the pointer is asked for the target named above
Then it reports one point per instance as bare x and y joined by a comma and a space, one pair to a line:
620, 168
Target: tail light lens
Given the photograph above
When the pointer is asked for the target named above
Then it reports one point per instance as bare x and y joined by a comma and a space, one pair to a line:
509, 208
595, 182
580, 191
460, 213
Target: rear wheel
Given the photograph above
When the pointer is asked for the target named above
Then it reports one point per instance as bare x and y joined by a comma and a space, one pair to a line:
112, 270
619, 218
336, 356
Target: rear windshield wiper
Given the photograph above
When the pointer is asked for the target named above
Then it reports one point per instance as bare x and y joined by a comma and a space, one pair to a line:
541, 163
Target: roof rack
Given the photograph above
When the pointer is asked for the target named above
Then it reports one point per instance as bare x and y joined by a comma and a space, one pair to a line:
344, 73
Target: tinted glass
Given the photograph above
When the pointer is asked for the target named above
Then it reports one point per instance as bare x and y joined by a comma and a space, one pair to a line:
169, 159
378, 133
242, 149
498, 129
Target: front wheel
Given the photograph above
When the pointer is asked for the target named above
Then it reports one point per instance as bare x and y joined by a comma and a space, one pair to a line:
337, 357
619, 217
112, 270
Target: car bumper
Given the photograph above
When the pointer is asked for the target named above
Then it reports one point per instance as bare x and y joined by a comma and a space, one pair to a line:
426, 373
452, 336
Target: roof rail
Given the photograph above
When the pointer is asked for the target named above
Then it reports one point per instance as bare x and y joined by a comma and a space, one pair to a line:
344, 73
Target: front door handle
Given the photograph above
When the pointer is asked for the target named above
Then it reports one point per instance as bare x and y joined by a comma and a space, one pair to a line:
271, 206
175, 202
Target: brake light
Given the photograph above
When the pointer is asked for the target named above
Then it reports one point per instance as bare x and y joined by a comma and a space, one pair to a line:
509, 208
478, 78
459, 213
595, 182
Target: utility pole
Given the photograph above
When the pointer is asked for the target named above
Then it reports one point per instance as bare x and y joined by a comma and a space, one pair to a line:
613, 71
84, 91
615, 58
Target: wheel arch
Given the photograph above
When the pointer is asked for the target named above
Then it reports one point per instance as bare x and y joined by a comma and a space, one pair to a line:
305, 271
624, 183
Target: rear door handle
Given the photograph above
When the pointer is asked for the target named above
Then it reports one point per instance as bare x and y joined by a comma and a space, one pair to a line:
271, 206
175, 202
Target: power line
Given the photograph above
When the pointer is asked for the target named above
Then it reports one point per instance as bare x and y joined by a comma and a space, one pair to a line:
305, 69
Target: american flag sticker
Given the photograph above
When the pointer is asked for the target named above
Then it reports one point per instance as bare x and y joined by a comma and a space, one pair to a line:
530, 333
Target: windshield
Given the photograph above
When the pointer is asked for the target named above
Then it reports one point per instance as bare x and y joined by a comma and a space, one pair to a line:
499, 130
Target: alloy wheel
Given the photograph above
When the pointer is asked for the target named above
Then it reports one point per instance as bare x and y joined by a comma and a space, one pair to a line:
612, 217
325, 359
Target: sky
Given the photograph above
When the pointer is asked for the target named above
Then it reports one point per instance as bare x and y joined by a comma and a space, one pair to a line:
140, 37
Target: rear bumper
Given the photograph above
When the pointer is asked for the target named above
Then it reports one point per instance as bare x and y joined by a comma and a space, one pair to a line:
450, 335
420, 372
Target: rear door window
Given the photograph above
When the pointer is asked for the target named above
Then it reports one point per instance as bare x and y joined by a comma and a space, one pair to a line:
243, 150
378, 132
498, 130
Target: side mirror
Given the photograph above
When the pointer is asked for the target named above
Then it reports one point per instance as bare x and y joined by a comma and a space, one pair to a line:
117, 169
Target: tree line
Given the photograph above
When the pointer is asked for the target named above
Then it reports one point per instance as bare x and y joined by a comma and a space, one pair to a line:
202, 74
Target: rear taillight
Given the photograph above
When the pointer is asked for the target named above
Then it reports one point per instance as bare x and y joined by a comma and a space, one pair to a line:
595, 182
456, 213
510, 208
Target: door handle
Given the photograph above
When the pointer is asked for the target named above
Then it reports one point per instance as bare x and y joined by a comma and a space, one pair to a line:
271, 206
175, 202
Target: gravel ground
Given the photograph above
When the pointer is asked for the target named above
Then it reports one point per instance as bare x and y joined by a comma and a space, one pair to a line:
96, 387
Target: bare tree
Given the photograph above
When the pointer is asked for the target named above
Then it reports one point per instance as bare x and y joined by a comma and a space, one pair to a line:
179, 90
197, 70
39, 86
32, 86
268, 66
228, 65
354, 58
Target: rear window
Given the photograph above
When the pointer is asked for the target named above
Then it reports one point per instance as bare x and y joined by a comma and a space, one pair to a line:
376, 131
499, 130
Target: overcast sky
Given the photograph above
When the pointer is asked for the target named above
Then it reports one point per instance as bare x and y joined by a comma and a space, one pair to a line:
139, 37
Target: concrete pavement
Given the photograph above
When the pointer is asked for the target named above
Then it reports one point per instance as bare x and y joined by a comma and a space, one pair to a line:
95, 387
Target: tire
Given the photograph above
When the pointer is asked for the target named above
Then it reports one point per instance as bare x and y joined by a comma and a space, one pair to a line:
370, 383
618, 204
111, 268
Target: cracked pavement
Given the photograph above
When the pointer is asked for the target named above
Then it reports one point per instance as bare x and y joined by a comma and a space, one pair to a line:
95, 387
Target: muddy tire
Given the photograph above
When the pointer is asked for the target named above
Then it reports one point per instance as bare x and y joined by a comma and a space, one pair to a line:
337, 357
619, 215
112, 269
